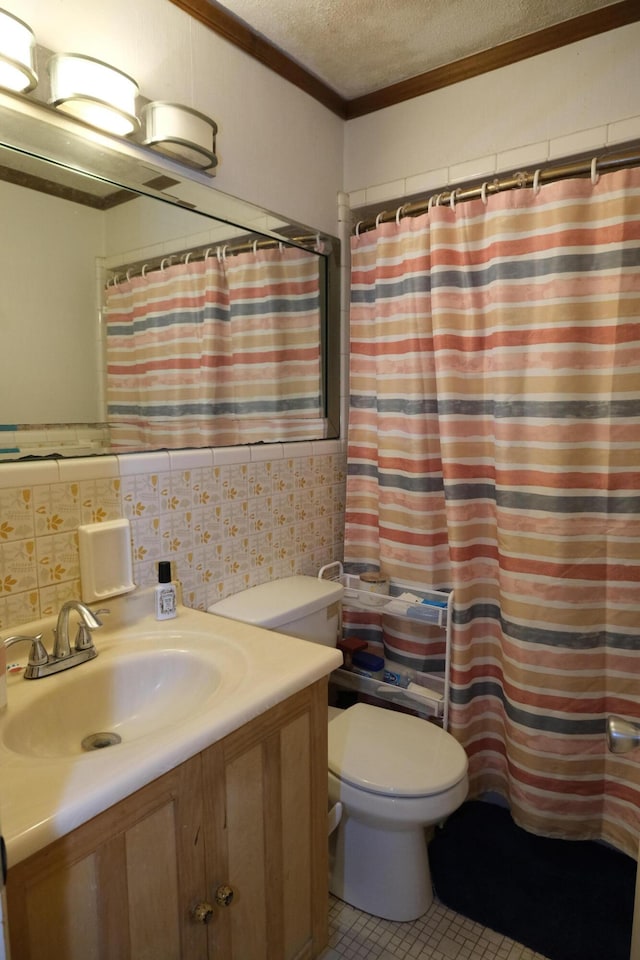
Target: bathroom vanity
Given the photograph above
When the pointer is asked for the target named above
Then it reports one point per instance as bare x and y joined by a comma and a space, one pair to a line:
244, 820
222, 856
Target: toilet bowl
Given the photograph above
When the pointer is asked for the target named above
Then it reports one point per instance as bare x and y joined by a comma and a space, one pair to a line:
392, 773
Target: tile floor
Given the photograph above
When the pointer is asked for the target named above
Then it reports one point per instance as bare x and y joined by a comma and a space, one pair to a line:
440, 934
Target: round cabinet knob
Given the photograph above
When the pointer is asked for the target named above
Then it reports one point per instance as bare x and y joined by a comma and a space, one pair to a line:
224, 895
202, 912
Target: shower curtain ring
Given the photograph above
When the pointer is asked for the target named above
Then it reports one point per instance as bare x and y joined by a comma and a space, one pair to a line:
143, 272
378, 218
399, 215
483, 193
452, 199
536, 181
358, 225
595, 176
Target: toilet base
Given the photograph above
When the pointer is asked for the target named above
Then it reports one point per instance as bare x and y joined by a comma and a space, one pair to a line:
383, 872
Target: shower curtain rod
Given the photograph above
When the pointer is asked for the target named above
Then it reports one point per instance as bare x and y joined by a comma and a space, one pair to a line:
221, 250
516, 181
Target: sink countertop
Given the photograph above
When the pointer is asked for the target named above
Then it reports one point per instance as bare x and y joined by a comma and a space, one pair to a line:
43, 798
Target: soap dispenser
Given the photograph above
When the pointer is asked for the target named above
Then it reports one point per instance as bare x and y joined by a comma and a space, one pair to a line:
166, 605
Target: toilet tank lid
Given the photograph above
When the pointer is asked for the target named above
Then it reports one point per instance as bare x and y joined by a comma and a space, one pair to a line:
392, 753
279, 602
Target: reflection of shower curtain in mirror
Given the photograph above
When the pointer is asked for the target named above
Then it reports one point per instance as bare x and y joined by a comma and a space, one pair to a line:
215, 351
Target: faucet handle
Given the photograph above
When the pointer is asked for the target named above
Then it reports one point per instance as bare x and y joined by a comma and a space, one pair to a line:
37, 654
84, 639
18, 638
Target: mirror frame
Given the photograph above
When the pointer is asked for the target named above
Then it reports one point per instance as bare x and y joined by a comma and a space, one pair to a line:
37, 130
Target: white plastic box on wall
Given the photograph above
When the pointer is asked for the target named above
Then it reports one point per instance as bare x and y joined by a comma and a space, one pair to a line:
106, 565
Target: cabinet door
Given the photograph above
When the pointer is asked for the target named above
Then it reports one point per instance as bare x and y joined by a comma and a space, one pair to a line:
266, 810
119, 887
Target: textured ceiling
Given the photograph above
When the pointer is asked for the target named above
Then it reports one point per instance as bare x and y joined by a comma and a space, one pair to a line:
359, 46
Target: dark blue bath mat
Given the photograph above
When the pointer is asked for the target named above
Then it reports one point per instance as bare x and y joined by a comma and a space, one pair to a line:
565, 899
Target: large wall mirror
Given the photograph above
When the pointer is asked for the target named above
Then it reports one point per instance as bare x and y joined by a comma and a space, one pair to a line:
143, 309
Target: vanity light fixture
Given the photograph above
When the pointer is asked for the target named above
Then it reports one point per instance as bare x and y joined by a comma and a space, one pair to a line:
181, 133
95, 92
17, 54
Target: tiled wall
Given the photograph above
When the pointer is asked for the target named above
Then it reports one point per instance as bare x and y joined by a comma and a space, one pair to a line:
606, 138
226, 519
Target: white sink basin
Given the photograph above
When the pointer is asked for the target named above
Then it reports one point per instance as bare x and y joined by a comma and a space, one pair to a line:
119, 698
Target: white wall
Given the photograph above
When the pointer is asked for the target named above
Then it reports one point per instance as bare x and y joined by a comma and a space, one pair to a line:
277, 146
48, 308
581, 97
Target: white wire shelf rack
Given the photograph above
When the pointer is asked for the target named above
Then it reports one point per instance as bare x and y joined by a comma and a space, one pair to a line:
424, 692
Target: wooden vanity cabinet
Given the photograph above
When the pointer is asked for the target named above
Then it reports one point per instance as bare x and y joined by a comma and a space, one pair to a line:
249, 813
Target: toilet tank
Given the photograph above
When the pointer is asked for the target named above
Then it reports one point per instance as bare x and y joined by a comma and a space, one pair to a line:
304, 607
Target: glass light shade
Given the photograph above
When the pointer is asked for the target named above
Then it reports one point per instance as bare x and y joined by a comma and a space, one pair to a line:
94, 92
17, 54
181, 133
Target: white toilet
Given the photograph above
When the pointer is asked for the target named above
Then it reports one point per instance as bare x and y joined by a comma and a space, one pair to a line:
393, 773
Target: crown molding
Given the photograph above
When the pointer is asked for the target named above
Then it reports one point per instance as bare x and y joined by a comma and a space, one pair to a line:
218, 19
542, 41
240, 35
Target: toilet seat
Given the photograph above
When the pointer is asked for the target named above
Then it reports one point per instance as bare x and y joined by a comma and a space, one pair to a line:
391, 753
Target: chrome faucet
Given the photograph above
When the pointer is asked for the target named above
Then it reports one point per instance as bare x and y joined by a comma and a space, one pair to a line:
42, 664
88, 619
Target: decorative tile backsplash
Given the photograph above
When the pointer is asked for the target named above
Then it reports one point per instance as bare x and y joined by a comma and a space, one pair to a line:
224, 520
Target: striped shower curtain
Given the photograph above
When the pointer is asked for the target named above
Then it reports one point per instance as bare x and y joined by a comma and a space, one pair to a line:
494, 447
215, 352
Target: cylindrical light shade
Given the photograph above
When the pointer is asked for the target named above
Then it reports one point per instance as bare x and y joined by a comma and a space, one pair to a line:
181, 133
94, 92
17, 54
